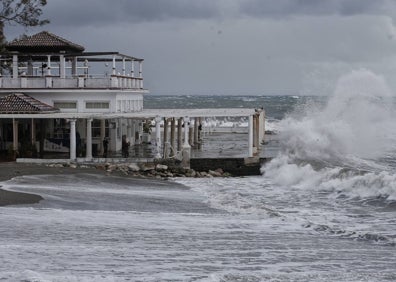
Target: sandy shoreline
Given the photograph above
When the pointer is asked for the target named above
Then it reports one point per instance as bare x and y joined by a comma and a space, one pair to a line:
11, 169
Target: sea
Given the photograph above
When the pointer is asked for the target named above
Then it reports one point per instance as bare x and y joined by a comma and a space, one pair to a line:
324, 208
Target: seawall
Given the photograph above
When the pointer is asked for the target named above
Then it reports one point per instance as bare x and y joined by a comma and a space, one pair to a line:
234, 166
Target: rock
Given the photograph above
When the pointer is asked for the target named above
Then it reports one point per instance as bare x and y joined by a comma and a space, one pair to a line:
204, 174
147, 166
214, 173
101, 167
73, 166
133, 167
161, 167
219, 170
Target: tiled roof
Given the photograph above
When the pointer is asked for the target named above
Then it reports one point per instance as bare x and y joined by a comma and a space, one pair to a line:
19, 103
44, 41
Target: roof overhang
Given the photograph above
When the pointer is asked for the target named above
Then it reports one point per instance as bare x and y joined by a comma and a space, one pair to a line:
145, 114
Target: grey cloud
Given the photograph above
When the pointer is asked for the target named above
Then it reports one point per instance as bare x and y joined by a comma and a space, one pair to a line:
102, 12
280, 8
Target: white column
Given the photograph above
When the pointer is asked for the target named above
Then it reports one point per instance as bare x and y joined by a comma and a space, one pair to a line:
130, 134
158, 136
89, 139
114, 66
15, 66
250, 143
132, 68
48, 64
179, 134
123, 66
62, 70
186, 127
186, 151
73, 143
141, 74
172, 137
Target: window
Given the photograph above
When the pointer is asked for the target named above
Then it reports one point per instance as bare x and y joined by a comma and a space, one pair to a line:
96, 127
97, 105
65, 105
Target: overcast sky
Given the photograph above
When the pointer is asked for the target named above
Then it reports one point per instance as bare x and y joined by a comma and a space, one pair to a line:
235, 46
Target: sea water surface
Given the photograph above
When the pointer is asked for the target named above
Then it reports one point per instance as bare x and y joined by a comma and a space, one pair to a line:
323, 210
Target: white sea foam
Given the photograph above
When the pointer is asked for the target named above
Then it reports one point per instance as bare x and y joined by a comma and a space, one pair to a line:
337, 148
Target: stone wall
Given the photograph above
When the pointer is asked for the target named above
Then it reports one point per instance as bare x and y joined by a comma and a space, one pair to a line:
234, 166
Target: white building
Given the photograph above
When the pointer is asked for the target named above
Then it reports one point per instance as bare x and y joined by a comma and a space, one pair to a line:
57, 98
59, 73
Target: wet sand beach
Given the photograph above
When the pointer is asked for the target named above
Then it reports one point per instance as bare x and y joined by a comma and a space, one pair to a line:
11, 169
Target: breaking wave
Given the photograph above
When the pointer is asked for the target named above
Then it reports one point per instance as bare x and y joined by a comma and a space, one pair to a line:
347, 147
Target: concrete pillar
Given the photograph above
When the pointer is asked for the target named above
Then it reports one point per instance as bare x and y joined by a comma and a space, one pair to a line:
48, 64
123, 66
15, 134
140, 69
141, 74
62, 70
172, 137
133, 129
15, 66
179, 134
257, 133
88, 154
190, 134
74, 66
196, 131
73, 141
250, 142
158, 136
199, 129
166, 138
262, 126
102, 135
186, 151
129, 132
132, 68
114, 66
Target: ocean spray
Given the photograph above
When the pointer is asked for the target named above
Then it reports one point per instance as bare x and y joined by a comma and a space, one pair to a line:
340, 147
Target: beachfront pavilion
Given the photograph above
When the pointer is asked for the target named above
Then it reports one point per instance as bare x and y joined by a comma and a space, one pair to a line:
172, 137
56, 97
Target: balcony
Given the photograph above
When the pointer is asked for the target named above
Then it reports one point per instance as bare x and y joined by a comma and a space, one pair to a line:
76, 82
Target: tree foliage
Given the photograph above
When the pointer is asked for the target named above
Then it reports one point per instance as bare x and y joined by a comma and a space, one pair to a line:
21, 12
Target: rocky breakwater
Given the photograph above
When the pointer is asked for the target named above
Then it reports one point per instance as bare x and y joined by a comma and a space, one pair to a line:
152, 170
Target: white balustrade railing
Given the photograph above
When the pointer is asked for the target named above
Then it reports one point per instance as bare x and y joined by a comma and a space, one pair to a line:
114, 81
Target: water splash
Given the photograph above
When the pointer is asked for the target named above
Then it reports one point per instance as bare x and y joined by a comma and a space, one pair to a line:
358, 121
342, 146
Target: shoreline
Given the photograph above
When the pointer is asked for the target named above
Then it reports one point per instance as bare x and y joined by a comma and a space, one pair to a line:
152, 171
9, 170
